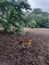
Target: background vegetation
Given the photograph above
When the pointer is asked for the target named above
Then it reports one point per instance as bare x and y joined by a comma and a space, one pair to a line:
12, 15
15, 15
38, 18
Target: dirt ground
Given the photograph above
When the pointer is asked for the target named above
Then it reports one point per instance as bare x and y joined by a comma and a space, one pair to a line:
11, 53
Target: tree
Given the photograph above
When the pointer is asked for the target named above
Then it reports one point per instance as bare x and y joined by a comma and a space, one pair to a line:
12, 14
32, 24
37, 11
40, 17
44, 23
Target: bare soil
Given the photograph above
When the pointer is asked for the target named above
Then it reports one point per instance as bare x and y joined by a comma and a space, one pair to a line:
11, 53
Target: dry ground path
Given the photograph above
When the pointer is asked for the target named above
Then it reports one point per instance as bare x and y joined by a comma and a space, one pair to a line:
37, 54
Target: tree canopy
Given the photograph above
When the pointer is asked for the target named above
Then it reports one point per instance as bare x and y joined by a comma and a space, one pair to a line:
12, 14
40, 17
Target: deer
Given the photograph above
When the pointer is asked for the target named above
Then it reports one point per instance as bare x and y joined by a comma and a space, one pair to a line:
25, 42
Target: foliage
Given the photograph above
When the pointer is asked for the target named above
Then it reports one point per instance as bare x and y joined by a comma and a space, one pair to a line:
44, 23
40, 17
32, 24
12, 15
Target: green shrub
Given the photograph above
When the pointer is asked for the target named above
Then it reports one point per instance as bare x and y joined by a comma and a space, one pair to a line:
32, 24
44, 23
11, 13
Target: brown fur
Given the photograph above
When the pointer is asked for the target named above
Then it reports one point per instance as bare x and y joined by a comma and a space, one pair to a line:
26, 42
